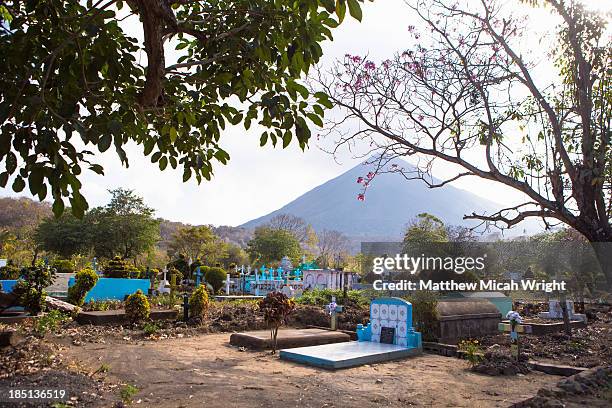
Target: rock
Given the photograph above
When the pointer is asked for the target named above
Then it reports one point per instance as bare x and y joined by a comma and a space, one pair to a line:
378, 381
9, 338
56, 304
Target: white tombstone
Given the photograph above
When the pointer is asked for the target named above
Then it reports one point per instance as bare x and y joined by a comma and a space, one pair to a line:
164, 285
555, 311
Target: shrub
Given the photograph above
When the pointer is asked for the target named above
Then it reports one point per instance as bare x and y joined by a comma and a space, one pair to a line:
102, 305
30, 288
85, 280
150, 328
49, 322
322, 297
472, 351
215, 276
137, 307
127, 393
63, 266
425, 313
118, 268
178, 273
276, 307
9, 272
198, 302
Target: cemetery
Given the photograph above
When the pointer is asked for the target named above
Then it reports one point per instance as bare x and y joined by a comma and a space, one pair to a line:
305, 203
333, 328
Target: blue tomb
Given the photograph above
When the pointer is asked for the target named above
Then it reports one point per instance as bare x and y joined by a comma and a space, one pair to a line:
388, 336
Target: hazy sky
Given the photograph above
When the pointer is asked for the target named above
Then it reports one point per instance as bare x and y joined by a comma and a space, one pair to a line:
259, 180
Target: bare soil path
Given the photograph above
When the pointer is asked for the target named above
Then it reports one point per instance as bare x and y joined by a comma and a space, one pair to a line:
206, 371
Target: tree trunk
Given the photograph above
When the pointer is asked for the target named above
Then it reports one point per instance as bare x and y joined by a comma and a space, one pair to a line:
603, 251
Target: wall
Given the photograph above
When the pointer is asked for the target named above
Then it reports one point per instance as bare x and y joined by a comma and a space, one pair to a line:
7, 285
115, 288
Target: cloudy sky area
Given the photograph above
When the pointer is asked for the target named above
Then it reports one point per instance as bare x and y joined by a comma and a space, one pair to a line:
259, 180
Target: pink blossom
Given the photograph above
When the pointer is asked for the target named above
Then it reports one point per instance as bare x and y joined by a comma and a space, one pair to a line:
360, 197
370, 175
421, 117
356, 58
359, 180
411, 28
370, 65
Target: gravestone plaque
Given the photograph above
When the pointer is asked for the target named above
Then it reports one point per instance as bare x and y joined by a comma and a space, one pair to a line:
387, 334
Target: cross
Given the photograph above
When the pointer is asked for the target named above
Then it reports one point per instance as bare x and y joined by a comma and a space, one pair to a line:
333, 310
514, 329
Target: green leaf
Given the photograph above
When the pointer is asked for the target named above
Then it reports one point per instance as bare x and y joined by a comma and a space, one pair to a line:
173, 134
18, 184
340, 9
286, 139
58, 207
316, 119
105, 142
354, 9
263, 140
163, 162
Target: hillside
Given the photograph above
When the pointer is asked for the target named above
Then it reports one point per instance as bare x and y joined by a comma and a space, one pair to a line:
390, 203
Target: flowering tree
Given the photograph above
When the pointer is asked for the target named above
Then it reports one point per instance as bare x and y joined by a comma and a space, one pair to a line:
466, 95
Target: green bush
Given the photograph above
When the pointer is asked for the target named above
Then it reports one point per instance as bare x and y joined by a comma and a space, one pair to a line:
322, 297
198, 302
102, 305
137, 307
150, 328
118, 268
85, 280
425, 313
49, 322
30, 288
10, 272
63, 266
177, 272
215, 276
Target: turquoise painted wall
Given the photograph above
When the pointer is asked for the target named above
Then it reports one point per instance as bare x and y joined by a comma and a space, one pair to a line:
115, 288
504, 305
7, 285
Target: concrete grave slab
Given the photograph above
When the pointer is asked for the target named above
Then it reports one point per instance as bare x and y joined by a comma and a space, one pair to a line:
344, 355
287, 338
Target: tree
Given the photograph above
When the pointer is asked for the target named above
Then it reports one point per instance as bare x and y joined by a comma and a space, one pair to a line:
269, 245
276, 308
425, 228
192, 241
125, 226
69, 71
18, 221
291, 223
65, 235
469, 97
332, 248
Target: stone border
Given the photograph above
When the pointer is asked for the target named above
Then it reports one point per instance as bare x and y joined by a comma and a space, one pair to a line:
118, 316
450, 350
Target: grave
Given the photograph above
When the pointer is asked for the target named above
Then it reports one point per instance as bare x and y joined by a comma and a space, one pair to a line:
463, 318
555, 311
287, 338
388, 336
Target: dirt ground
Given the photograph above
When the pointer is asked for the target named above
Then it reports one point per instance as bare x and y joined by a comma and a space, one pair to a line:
205, 370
